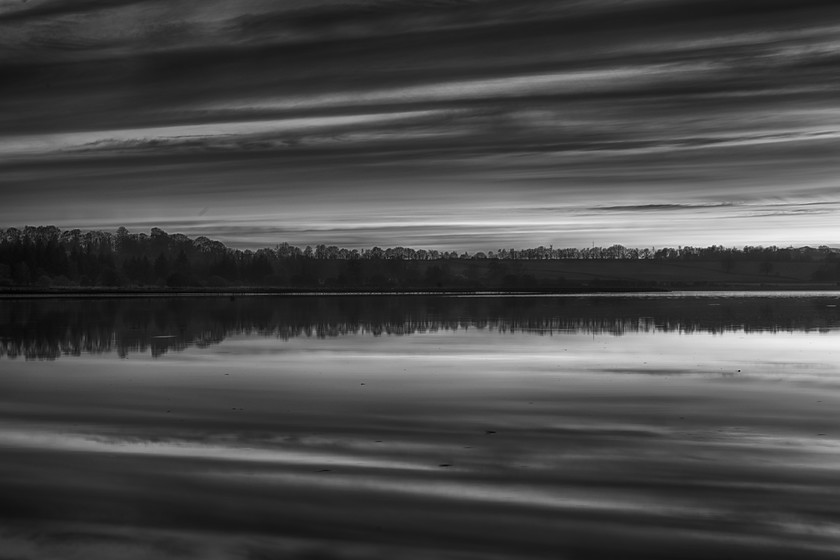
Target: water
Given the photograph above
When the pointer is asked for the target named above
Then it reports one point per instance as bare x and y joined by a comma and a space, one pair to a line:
672, 426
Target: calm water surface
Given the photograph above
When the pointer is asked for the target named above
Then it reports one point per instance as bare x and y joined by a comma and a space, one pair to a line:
675, 426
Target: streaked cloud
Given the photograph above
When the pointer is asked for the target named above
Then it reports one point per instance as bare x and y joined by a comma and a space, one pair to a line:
208, 135
357, 123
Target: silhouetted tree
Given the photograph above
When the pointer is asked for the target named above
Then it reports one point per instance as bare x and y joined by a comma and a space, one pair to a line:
46, 256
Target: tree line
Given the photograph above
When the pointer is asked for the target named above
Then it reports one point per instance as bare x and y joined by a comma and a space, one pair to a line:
45, 256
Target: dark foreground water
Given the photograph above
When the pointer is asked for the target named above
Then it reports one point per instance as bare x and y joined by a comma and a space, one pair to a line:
421, 427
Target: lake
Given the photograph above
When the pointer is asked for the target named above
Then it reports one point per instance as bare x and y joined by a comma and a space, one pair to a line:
683, 425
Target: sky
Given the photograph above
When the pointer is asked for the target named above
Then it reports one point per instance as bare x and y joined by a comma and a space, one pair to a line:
460, 124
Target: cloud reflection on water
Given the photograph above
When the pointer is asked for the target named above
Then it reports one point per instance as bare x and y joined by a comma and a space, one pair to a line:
456, 443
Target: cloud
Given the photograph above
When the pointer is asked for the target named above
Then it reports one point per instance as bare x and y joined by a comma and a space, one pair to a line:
658, 207
443, 108
240, 135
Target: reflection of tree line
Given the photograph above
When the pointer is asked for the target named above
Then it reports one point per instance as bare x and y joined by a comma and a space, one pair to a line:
49, 328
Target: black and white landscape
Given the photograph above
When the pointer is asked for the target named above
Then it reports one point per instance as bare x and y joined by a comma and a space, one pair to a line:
432, 279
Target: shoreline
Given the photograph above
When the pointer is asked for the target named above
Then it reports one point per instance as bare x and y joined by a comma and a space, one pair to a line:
99, 292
